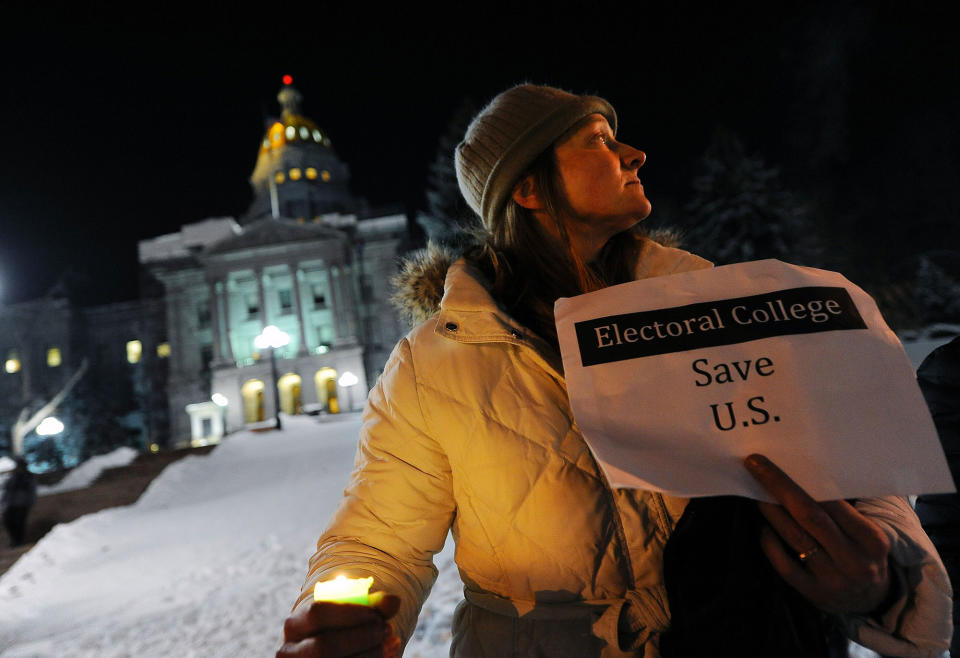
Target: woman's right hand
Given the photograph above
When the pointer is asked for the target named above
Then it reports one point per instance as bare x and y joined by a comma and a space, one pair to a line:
328, 630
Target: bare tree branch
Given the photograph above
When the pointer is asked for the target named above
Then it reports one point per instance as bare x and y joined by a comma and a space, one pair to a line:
25, 425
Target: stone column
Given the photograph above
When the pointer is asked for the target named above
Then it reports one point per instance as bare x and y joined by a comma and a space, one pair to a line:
350, 303
261, 294
295, 274
223, 306
174, 304
336, 303
214, 306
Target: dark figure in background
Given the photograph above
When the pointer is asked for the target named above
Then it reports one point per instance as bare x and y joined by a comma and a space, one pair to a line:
19, 495
939, 378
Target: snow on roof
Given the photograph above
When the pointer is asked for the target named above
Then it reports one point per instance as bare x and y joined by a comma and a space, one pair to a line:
382, 224
190, 237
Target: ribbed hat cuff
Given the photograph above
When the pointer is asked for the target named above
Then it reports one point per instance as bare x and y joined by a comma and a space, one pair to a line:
526, 148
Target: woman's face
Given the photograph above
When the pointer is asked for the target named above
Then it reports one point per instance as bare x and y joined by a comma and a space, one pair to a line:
599, 176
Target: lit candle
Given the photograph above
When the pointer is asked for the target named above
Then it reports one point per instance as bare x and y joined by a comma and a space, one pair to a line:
344, 590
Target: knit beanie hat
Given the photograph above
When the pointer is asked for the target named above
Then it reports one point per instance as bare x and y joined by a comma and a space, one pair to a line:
508, 135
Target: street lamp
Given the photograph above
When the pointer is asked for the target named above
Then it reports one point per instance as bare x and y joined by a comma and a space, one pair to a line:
221, 401
272, 338
49, 426
348, 380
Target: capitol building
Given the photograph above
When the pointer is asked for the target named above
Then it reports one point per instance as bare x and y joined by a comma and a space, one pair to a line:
308, 258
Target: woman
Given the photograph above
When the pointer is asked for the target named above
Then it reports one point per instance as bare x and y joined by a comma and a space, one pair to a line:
469, 428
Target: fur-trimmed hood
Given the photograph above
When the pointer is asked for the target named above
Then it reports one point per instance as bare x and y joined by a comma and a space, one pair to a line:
418, 287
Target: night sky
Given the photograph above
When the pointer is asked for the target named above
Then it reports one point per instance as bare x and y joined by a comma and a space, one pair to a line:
118, 129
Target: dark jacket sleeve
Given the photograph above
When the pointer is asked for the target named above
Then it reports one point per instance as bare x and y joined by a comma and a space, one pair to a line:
20, 490
919, 622
939, 379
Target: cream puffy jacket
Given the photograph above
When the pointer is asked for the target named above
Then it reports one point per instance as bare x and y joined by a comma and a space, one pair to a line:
469, 428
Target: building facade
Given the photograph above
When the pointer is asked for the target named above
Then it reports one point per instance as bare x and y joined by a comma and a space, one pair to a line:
181, 364
308, 258
120, 397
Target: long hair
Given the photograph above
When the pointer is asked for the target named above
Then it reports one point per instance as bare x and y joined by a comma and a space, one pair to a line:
527, 276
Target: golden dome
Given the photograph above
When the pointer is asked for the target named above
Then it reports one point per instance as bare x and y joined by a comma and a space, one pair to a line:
292, 127
297, 173
291, 130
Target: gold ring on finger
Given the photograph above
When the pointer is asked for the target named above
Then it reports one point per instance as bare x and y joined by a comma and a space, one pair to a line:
803, 556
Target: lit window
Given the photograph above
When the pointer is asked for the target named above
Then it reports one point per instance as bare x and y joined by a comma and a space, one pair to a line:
319, 296
295, 174
279, 177
291, 132
325, 175
253, 304
304, 132
311, 173
53, 357
276, 133
317, 136
12, 364
286, 296
134, 350
203, 314
301, 220
163, 350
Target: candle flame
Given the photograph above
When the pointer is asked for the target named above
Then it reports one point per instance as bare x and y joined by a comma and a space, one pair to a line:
343, 589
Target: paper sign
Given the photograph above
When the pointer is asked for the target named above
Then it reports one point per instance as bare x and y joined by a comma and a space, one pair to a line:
673, 380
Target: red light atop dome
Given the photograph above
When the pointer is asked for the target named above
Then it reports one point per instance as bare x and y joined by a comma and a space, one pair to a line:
288, 79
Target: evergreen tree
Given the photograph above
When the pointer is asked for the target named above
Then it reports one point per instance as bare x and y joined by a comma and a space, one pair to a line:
936, 293
44, 454
448, 217
740, 211
107, 412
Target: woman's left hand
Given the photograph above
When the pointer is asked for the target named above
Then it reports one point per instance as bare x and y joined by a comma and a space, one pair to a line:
839, 557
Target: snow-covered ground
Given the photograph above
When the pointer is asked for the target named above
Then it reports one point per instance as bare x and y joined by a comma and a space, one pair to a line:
206, 563
87, 472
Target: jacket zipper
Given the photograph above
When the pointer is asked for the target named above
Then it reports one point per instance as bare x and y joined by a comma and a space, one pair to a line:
617, 522
666, 522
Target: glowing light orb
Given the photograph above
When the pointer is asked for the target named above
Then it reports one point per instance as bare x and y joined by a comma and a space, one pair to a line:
49, 426
348, 379
344, 590
271, 337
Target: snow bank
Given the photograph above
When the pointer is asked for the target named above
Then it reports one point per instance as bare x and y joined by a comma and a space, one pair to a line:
917, 350
86, 473
207, 563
